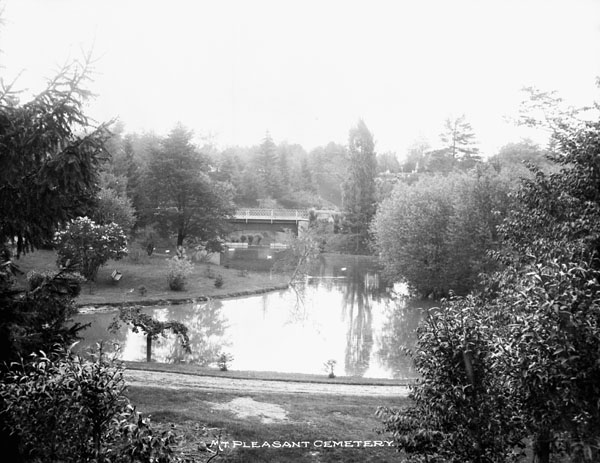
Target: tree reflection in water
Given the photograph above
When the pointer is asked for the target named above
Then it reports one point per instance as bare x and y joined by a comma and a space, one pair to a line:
360, 286
206, 329
343, 311
398, 333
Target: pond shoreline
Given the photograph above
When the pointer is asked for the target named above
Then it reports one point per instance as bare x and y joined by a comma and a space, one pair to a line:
88, 307
268, 330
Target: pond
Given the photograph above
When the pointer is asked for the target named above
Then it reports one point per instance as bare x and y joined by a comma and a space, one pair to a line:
342, 312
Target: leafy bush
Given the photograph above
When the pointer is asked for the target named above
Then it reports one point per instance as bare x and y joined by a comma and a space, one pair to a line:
37, 279
551, 357
88, 246
223, 361
65, 408
459, 409
179, 270
41, 317
219, 281
521, 361
435, 234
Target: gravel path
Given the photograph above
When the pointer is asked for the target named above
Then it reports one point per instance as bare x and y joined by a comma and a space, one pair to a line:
183, 381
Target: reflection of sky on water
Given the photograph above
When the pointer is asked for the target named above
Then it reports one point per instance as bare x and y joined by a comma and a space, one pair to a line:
342, 313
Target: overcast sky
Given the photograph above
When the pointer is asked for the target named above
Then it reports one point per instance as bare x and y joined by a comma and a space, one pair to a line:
308, 70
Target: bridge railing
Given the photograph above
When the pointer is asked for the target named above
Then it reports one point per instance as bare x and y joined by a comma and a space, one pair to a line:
272, 214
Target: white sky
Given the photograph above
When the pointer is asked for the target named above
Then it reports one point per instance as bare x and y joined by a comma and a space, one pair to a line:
307, 70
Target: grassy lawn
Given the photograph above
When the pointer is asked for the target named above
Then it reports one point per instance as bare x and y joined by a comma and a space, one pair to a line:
192, 369
200, 416
150, 272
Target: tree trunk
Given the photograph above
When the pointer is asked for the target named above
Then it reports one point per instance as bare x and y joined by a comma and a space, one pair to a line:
148, 348
541, 448
180, 237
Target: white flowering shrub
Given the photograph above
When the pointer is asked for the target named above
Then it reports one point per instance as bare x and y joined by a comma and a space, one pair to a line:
179, 269
88, 246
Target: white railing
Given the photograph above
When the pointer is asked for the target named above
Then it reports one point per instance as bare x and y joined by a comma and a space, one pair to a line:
271, 214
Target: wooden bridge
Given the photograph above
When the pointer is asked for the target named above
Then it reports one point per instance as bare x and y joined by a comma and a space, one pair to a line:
270, 215
274, 220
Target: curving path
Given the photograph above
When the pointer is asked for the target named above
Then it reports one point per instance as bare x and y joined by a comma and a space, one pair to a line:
187, 381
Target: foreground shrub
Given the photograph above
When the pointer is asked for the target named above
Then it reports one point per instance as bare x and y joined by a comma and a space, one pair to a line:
529, 344
63, 408
41, 317
459, 410
88, 246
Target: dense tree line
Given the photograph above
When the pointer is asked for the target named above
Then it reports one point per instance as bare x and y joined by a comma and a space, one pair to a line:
435, 234
353, 179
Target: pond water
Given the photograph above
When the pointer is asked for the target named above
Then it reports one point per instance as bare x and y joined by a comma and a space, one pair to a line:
342, 312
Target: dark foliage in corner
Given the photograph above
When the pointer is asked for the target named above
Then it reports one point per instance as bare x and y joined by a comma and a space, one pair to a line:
64, 408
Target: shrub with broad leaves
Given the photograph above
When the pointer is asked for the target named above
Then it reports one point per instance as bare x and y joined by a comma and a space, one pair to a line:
459, 410
62, 407
88, 246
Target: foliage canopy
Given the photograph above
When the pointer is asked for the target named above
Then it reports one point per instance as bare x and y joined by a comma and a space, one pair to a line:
526, 350
49, 159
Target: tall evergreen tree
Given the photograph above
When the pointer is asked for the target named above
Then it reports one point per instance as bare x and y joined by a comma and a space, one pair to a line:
306, 176
185, 199
267, 164
358, 190
284, 167
49, 162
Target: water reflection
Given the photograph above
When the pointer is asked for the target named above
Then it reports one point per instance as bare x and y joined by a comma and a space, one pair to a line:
206, 328
399, 333
343, 312
356, 278
357, 311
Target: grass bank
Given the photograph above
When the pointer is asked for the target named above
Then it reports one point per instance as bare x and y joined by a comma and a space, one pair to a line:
326, 428
149, 273
190, 369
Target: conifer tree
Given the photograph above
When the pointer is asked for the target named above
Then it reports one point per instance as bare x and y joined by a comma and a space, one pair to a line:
358, 190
